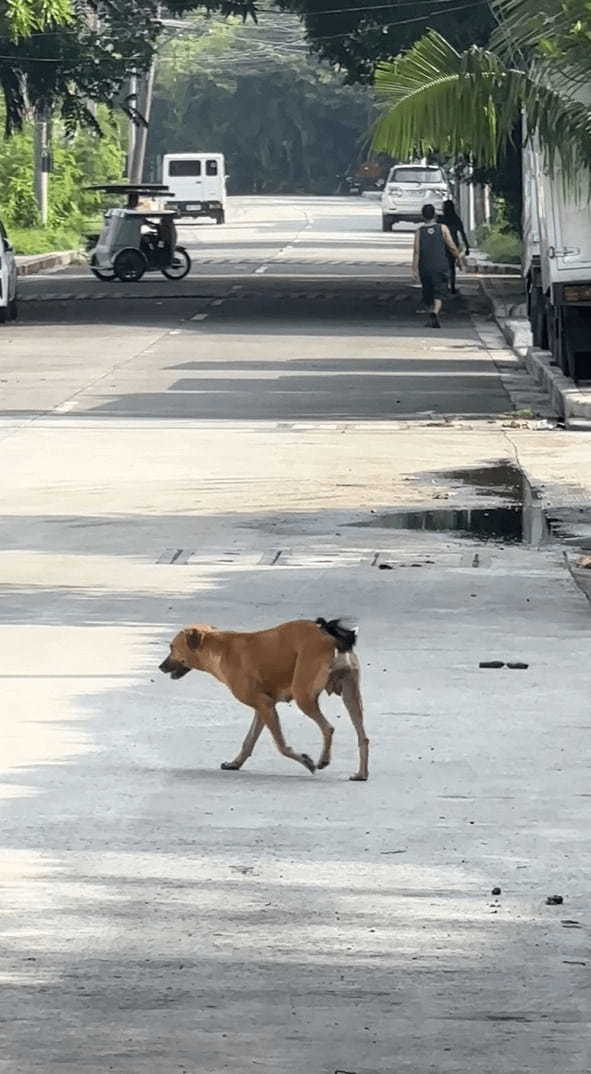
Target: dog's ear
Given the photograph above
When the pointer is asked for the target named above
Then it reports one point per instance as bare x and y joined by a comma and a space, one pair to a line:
194, 638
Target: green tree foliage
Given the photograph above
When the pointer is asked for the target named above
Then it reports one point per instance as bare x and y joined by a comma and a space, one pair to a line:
284, 121
505, 179
469, 102
77, 162
64, 68
357, 34
20, 18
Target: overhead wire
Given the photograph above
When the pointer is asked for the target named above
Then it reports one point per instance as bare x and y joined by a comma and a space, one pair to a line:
305, 45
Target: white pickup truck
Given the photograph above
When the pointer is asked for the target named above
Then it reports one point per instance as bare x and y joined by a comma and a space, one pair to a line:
557, 263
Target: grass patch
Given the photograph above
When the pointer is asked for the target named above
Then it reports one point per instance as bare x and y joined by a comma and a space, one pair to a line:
502, 246
44, 240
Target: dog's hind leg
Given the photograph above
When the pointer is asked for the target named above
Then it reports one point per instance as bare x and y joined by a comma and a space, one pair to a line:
247, 746
310, 707
351, 695
269, 715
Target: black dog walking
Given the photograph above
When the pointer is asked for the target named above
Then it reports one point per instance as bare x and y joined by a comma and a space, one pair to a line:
430, 264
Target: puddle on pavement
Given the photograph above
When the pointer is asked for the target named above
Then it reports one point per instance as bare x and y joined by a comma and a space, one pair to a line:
518, 520
494, 523
501, 479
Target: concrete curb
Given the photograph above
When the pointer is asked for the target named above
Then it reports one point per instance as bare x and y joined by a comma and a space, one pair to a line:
515, 328
28, 265
491, 268
517, 332
572, 404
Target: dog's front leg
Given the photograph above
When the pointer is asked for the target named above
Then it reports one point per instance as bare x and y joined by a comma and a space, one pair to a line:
247, 746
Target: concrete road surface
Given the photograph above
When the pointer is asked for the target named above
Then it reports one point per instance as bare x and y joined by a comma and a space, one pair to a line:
278, 436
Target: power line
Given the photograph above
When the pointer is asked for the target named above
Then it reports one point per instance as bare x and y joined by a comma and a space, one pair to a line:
325, 37
407, 22
282, 14
365, 7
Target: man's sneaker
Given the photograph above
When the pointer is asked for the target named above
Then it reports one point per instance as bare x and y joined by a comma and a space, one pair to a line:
433, 321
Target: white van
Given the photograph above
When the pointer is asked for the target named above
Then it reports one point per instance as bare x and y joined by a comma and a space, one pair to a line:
198, 182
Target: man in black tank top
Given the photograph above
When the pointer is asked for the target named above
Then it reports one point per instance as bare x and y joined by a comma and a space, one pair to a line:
430, 265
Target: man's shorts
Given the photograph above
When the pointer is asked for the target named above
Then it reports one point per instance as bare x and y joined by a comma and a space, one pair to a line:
435, 285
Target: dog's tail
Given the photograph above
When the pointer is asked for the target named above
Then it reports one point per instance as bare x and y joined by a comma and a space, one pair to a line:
344, 637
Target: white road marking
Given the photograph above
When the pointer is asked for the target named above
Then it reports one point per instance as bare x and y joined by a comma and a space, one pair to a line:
199, 317
63, 408
258, 271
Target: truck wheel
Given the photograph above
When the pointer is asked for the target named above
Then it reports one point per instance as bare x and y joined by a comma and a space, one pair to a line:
538, 318
388, 222
13, 309
3, 314
220, 217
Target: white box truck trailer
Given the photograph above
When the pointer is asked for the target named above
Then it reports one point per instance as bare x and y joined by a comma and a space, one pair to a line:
557, 262
198, 183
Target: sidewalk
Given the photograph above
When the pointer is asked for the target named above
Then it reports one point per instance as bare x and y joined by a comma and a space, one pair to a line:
507, 297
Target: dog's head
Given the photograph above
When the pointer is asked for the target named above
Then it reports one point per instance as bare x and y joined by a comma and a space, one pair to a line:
184, 652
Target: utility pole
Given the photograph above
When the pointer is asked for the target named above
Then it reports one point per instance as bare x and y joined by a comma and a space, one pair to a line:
131, 101
42, 161
141, 109
145, 93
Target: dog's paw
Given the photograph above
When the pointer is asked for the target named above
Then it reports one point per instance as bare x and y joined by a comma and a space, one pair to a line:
309, 763
357, 778
230, 766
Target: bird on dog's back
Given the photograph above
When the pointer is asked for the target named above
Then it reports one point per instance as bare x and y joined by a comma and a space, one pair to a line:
345, 637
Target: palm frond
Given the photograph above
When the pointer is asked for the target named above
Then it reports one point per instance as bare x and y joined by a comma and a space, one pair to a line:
554, 34
523, 23
438, 98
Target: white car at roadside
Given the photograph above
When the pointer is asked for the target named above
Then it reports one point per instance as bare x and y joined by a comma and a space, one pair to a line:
409, 187
7, 278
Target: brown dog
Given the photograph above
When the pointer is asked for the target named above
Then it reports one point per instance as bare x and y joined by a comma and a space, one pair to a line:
294, 661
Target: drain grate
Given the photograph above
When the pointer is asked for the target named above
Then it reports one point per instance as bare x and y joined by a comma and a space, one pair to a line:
321, 558
183, 557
